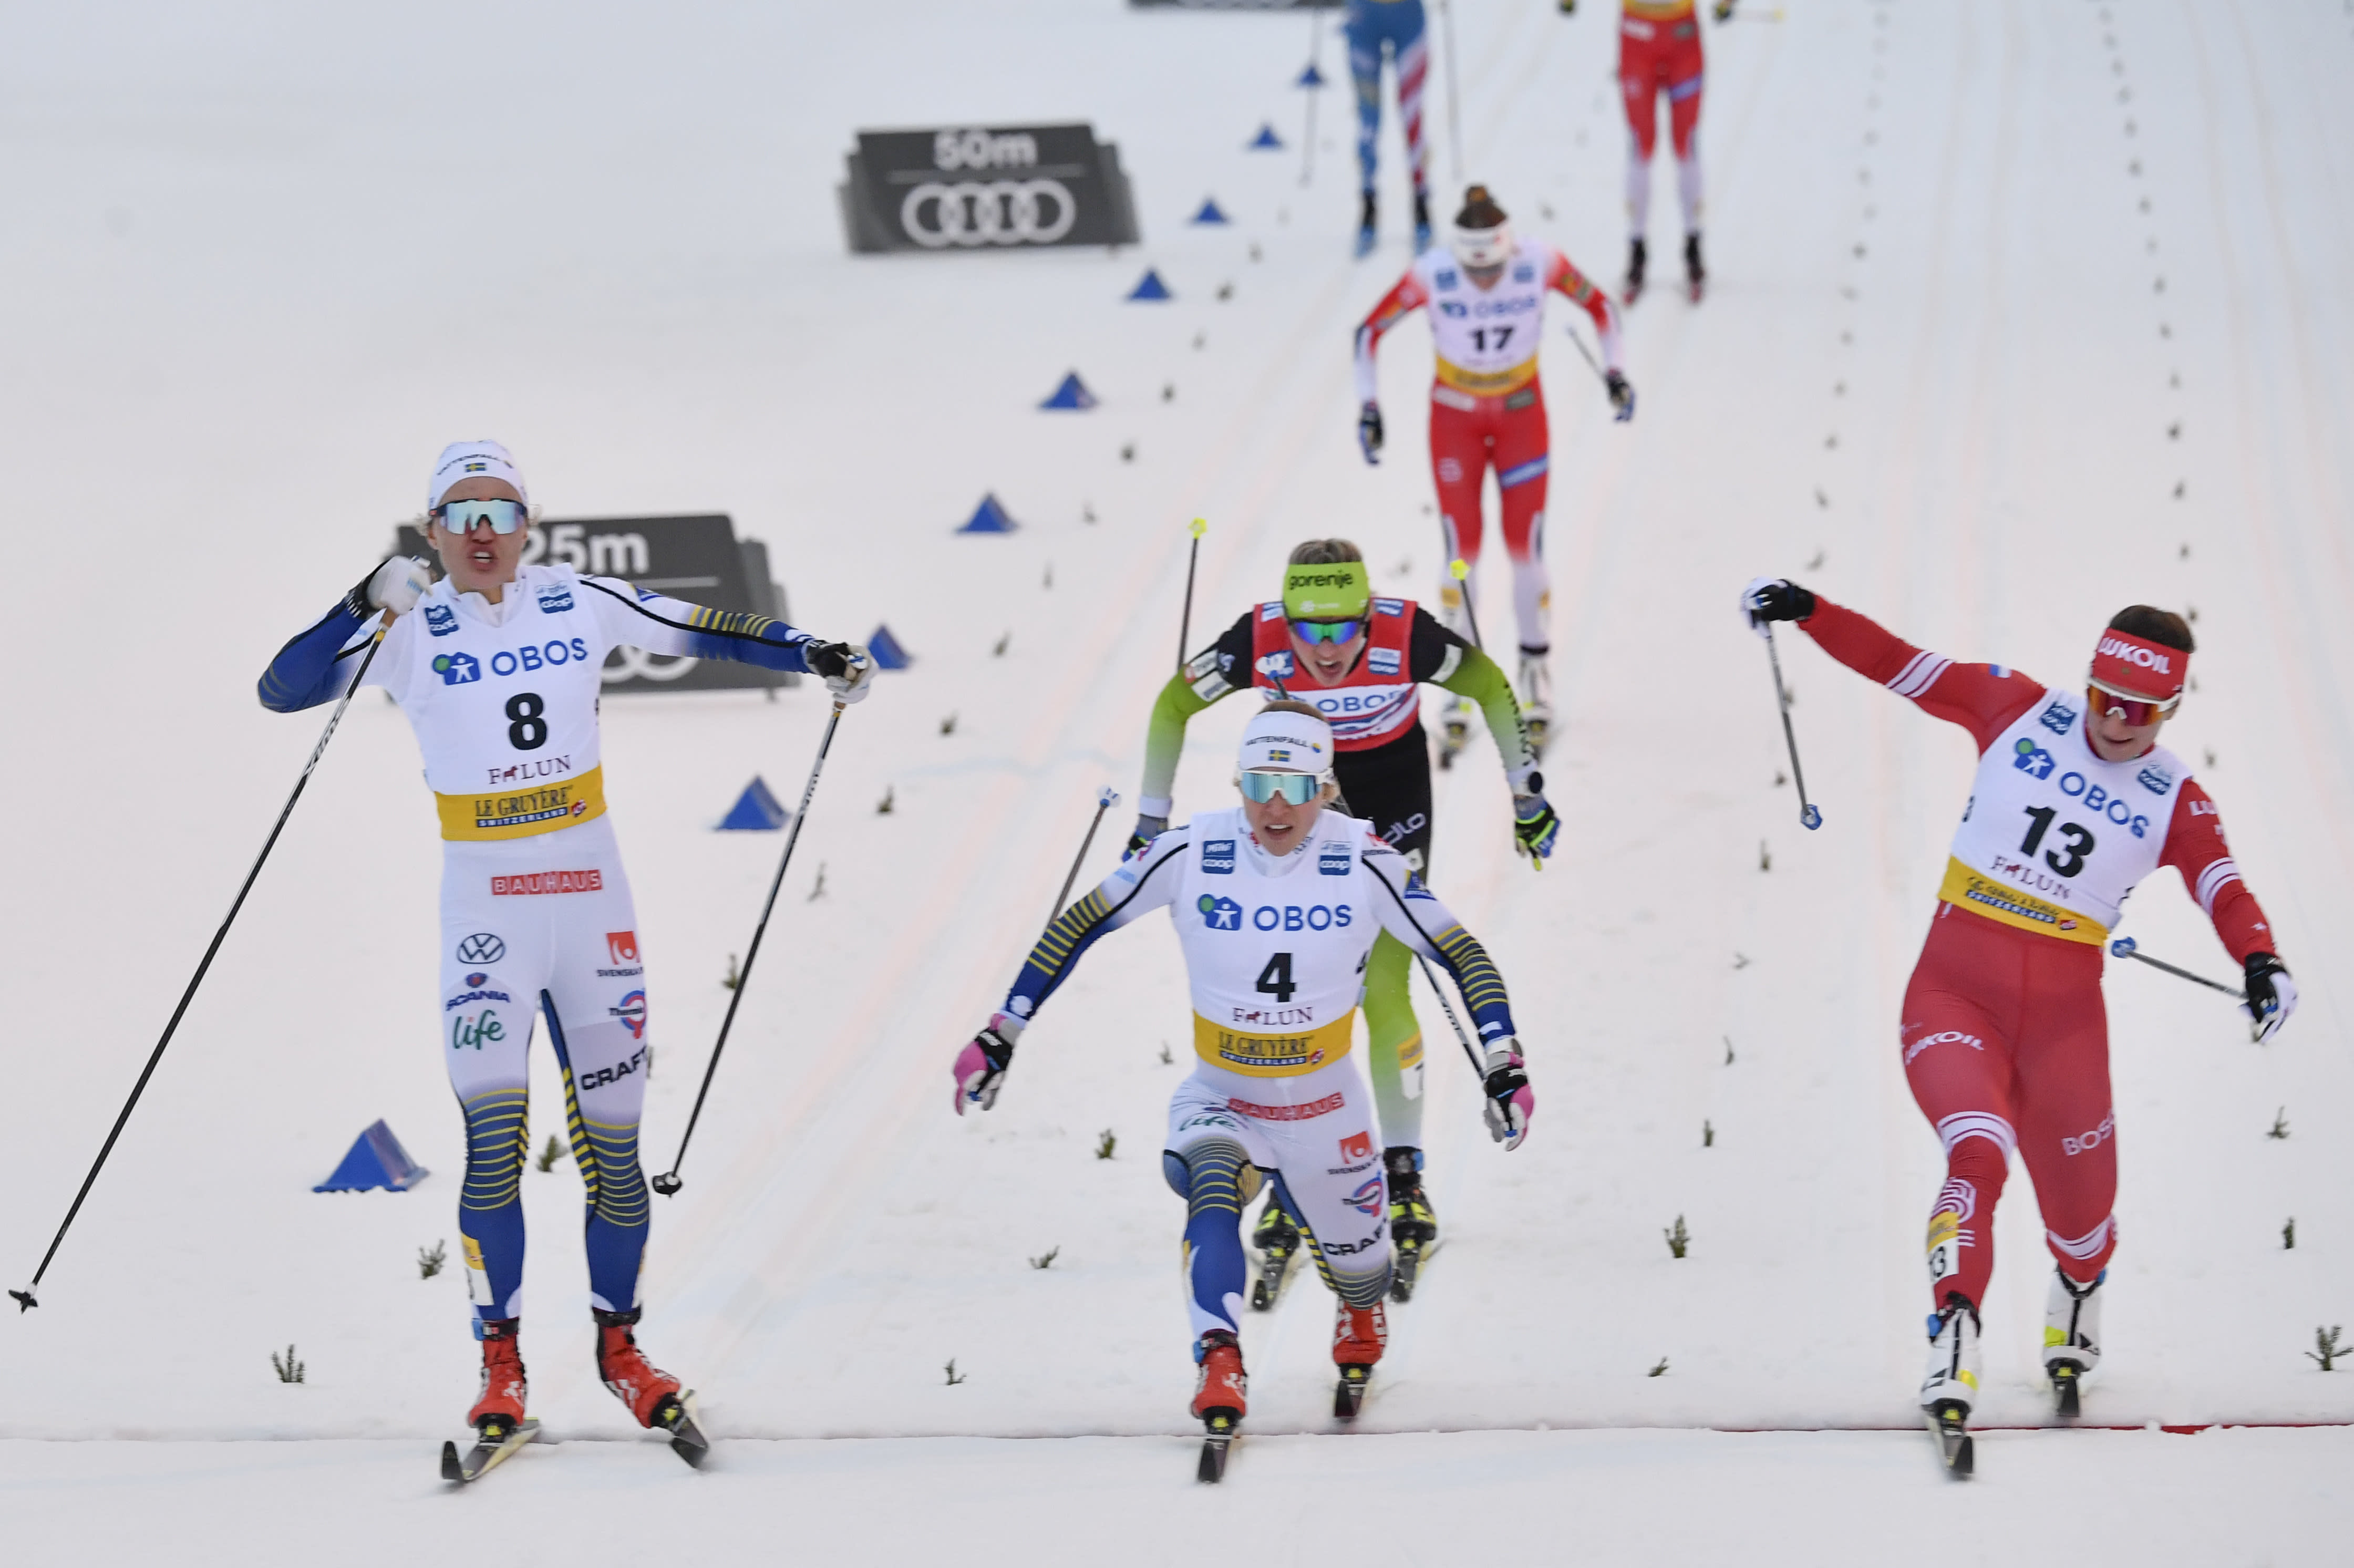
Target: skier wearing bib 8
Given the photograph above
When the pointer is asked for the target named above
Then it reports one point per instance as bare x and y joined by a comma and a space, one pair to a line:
1486, 293
1360, 663
498, 671
2004, 1036
1277, 906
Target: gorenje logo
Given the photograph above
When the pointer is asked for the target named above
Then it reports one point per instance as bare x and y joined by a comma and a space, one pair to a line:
1320, 580
2134, 653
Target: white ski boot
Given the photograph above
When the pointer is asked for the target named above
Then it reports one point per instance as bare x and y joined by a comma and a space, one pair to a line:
1536, 701
2072, 1335
1950, 1385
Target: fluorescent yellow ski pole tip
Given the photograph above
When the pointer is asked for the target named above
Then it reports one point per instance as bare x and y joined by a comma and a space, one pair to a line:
1459, 568
1201, 527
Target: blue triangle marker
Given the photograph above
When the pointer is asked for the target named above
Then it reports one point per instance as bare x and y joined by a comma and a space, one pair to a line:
884, 650
989, 517
1150, 287
1266, 140
376, 1160
1210, 212
755, 811
1311, 76
1072, 394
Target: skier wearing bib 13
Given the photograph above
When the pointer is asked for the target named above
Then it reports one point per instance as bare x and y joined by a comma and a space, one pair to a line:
1277, 905
1486, 292
2004, 1035
1360, 661
497, 669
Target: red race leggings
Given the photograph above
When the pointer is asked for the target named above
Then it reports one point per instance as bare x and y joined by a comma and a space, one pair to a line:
1666, 60
1508, 434
2006, 1043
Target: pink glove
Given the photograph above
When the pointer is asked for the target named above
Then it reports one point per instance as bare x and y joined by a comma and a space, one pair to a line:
981, 1065
1511, 1104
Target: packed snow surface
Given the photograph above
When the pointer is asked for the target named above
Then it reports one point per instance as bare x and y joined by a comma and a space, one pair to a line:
2018, 313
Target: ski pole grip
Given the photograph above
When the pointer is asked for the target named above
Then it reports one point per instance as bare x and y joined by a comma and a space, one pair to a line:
2123, 948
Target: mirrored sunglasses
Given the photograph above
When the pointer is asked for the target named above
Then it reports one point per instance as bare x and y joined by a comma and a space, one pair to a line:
464, 516
1297, 787
1326, 631
2136, 711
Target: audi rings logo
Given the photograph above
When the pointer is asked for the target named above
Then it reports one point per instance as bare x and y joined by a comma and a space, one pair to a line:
637, 665
993, 212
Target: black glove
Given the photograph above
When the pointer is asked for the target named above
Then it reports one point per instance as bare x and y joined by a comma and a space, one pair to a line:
2271, 995
1369, 432
1510, 1103
1774, 598
828, 659
1146, 830
1622, 397
1535, 825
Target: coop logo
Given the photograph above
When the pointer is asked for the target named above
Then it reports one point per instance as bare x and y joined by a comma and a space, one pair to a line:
2134, 653
2084, 1143
2155, 778
1335, 860
1383, 662
632, 1013
1220, 914
457, 668
2056, 717
1218, 856
988, 212
555, 600
482, 1028
2032, 759
482, 948
441, 620
1369, 1198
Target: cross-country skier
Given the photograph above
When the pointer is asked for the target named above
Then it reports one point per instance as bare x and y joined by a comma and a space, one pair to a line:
2004, 1036
1277, 905
1486, 292
497, 667
1395, 25
1660, 52
1360, 662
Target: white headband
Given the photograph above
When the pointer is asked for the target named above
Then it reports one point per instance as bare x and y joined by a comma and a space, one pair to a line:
472, 460
1287, 743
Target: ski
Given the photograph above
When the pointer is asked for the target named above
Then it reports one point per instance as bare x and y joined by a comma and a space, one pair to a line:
1946, 1424
676, 1417
1406, 1271
1454, 731
1273, 1265
2067, 1382
485, 1454
1349, 1394
1217, 1437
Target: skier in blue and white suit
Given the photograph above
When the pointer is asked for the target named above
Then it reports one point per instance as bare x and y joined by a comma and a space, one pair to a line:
1277, 905
498, 670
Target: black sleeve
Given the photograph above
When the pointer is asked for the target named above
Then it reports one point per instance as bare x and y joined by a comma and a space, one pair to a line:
1230, 655
1428, 644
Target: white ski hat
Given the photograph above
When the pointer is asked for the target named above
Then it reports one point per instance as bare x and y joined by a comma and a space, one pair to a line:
472, 460
1279, 742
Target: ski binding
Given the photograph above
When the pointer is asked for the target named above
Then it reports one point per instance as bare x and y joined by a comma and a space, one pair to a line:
1218, 1435
494, 1448
1947, 1422
1349, 1394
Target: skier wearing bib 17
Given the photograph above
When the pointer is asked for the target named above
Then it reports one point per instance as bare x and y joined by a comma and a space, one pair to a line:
2004, 1036
1277, 905
1360, 663
1486, 292
497, 667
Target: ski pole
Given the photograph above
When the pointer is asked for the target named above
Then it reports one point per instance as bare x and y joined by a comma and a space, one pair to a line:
1587, 354
1456, 1024
1314, 84
25, 1299
1185, 621
1105, 801
1454, 113
668, 1182
1810, 815
2127, 948
1460, 570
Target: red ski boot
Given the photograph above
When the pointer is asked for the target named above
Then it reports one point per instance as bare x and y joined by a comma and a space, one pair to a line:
500, 1410
650, 1394
1220, 1389
1359, 1335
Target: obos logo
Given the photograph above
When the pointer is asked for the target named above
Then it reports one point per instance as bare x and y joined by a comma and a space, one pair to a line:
1218, 856
441, 620
457, 668
1371, 1198
1220, 914
2032, 758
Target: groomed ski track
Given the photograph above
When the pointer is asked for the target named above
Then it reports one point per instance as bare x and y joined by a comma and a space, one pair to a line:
1947, 352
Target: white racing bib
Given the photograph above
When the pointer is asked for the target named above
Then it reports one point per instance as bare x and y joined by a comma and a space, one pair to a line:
1487, 339
2054, 839
1276, 961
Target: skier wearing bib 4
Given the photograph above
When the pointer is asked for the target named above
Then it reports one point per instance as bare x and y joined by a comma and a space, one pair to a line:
1486, 293
1277, 906
2004, 1036
497, 667
1360, 663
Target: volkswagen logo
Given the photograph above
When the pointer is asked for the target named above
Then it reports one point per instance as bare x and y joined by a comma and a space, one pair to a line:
482, 948
995, 212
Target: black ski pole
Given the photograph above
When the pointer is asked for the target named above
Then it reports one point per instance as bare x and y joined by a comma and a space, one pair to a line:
1587, 354
25, 1299
1185, 621
1460, 569
1105, 801
2127, 948
1313, 83
1811, 815
1447, 1007
668, 1181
